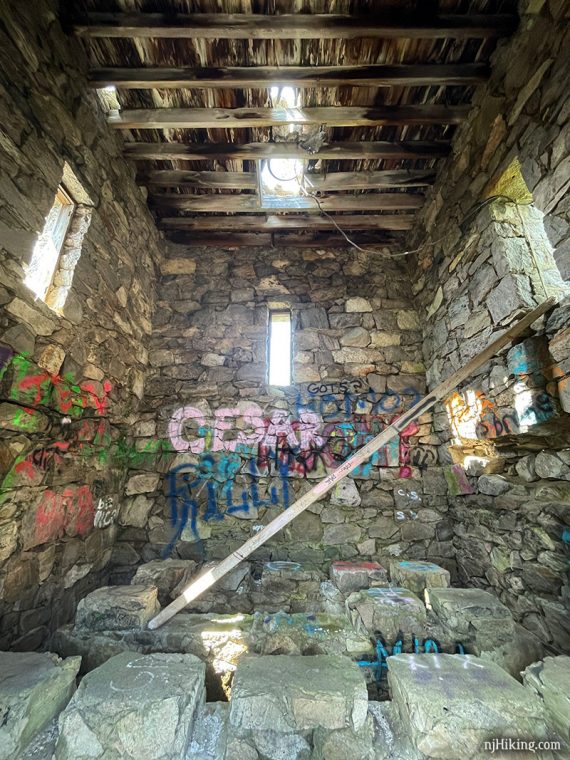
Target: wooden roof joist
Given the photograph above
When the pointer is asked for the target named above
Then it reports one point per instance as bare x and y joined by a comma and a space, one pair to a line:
248, 180
277, 223
378, 150
226, 118
298, 76
294, 26
243, 204
267, 239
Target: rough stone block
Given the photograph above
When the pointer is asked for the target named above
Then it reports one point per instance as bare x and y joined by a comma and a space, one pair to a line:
307, 634
472, 615
140, 707
549, 679
452, 704
34, 689
417, 575
117, 608
354, 576
345, 743
208, 741
387, 612
289, 694
165, 575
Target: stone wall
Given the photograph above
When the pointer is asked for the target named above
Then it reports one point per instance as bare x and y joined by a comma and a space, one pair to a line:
70, 381
220, 453
483, 263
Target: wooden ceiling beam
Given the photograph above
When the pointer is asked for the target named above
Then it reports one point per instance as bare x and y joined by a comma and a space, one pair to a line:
248, 180
278, 223
206, 180
294, 26
296, 76
242, 204
236, 118
142, 151
268, 240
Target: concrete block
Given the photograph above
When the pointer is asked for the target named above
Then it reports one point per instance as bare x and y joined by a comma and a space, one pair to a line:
353, 576
387, 612
417, 576
117, 608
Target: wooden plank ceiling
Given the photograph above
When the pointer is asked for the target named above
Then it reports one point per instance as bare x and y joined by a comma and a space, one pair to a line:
205, 95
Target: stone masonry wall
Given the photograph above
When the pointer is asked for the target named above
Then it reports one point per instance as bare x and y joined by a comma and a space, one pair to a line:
220, 453
480, 267
69, 382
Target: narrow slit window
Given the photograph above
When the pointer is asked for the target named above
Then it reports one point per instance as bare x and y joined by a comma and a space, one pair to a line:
279, 348
41, 269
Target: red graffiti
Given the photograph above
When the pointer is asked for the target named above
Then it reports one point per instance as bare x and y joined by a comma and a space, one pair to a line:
68, 513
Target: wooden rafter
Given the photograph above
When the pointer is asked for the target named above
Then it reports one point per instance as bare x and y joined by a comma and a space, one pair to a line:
276, 239
294, 26
278, 223
298, 76
243, 204
248, 180
350, 116
257, 151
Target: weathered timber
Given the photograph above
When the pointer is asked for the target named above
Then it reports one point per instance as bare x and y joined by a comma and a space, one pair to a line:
333, 116
275, 222
294, 26
251, 203
142, 151
277, 240
219, 77
443, 390
248, 180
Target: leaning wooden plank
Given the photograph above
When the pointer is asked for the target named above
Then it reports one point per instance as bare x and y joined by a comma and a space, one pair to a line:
443, 390
223, 77
332, 116
174, 151
279, 223
244, 204
242, 26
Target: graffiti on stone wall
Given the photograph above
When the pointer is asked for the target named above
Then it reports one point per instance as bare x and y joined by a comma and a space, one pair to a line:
519, 399
231, 450
473, 415
70, 416
69, 512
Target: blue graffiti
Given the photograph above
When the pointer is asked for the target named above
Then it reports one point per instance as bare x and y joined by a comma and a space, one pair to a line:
379, 665
215, 477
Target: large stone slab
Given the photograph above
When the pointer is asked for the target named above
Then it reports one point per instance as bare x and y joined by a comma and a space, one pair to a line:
307, 634
484, 626
208, 740
139, 707
418, 575
290, 694
550, 680
117, 608
165, 574
218, 640
34, 689
452, 704
472, 615
387, 612
354, 576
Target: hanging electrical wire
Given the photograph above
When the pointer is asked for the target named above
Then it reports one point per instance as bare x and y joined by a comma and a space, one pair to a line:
472, 211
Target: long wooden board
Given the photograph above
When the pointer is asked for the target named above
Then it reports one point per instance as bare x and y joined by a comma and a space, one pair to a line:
241, 118
242, 26
277, 223
443, 390
323, 182
223, 77
243, 204
381, 149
